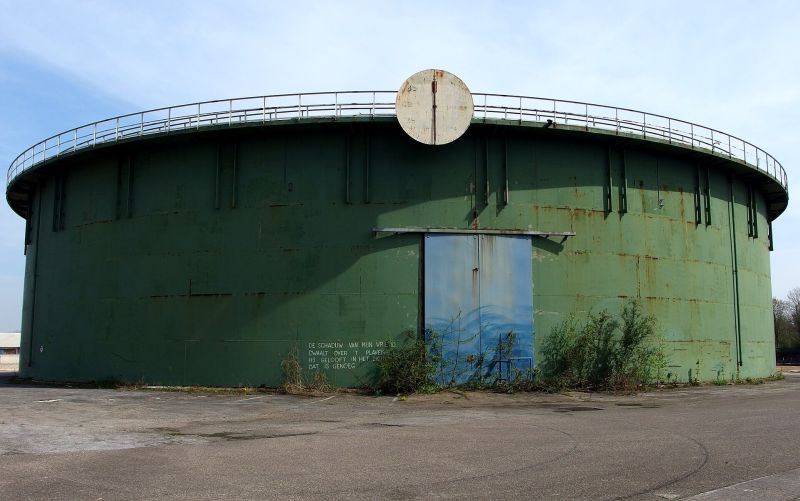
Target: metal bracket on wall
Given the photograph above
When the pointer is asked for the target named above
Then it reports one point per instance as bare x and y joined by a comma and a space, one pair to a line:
707, 197
56, 202
753, 213
623, 187
505, 171
698, 212
234, 180
769, 235
367, 166
124, 205
28, 228
129, 203
216, 178
486, 171
347, 169
124, 201
609, 207
479, 172
469, 231
59, 194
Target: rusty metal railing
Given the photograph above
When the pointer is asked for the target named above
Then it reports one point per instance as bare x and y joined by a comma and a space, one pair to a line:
523, 109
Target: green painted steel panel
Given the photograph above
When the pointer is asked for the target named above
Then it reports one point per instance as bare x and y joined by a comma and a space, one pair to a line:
207, 258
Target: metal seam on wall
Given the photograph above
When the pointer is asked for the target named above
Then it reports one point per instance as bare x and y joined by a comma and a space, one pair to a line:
467, 231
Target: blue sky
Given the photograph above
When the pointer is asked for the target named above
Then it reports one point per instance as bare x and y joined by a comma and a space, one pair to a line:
731, 65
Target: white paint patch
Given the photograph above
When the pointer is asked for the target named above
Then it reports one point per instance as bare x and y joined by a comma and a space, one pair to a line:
318, 401
668, 495
246, 399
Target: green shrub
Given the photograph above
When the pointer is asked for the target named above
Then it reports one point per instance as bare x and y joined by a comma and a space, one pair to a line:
604, 353
407, 367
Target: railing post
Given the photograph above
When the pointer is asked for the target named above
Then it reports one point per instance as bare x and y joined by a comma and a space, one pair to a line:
599, 119
586, 115
669, 130
644, 125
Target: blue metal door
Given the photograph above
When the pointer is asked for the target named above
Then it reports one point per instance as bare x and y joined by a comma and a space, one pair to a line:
479, 306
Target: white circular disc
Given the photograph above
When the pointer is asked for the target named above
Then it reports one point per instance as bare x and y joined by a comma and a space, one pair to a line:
434, 107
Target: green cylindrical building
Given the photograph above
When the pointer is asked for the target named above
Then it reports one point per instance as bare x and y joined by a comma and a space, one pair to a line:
201, 244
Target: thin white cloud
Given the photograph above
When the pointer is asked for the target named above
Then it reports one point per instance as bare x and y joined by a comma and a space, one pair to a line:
730, 65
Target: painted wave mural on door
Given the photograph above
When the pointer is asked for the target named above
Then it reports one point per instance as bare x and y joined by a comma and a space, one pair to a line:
479, 306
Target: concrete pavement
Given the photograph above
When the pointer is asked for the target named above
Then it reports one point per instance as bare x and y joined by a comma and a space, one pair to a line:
73, 443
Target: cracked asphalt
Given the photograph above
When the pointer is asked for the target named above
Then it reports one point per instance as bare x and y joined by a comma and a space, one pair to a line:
78, 443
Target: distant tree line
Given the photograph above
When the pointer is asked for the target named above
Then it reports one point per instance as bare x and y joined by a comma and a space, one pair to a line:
786, 315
